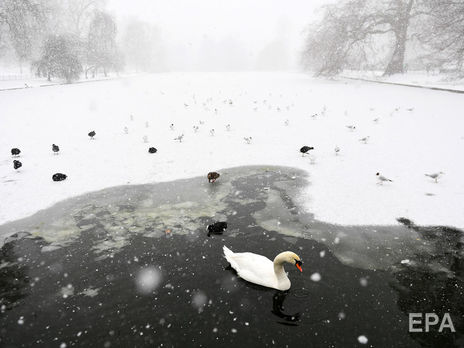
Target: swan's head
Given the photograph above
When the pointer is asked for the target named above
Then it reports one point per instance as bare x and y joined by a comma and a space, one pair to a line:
290, 257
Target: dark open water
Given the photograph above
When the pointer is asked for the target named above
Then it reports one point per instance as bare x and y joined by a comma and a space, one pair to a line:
132, 266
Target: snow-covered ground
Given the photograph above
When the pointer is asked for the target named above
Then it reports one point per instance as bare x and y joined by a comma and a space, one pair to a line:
416, 78
23, 82
417, 132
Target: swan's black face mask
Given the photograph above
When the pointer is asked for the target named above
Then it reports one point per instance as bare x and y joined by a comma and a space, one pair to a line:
298, 265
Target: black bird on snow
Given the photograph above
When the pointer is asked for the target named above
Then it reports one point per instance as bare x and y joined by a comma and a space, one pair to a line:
17, 164
92, 134
216, 228
213, 176
305, 149
15, 151
152, 150
59, 177
55, 149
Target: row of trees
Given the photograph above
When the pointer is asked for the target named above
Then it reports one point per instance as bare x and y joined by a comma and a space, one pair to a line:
388, 34
70, 38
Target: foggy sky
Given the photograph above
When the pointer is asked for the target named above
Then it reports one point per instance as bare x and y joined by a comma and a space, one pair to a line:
225, 35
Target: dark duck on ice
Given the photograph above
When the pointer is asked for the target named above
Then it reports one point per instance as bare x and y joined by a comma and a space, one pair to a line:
213, 176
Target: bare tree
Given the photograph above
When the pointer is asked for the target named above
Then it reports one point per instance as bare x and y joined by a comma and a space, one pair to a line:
331, 40
397, 17
80, 13
348, 27
102, 52
60, 58
21, 22
444, 33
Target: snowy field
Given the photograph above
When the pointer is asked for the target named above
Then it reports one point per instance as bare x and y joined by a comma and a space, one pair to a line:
416, 78
411, 132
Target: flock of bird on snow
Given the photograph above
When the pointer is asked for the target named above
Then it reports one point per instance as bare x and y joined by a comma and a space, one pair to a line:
252, 267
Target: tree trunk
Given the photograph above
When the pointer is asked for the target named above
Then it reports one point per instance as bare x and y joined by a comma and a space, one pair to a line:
396, 64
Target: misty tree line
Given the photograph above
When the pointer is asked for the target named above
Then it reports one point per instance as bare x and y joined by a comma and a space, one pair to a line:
388, 35
70, 38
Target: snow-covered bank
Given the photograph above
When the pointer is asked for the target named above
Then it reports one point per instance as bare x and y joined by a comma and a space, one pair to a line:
417, 132
34, 82
415, 78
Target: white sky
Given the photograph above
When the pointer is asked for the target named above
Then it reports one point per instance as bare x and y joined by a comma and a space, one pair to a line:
251, 24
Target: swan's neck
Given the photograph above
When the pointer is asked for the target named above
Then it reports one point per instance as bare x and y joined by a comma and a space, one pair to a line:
279, 267
282, 281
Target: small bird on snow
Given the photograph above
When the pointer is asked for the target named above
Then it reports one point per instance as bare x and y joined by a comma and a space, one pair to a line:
435, 176
55, 148
211, 132
305, 149
15, 151
364, 140
382, 178
171, 126
59, 177
337, 150
17, 164
228, 127
248, 139
92, 134
179, 138
152, 150
213, 176
351, 127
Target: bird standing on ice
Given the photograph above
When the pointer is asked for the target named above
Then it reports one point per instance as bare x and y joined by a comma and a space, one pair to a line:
260, 270
92, 134
435, 176
213, 176
364, 140
305, 149
248, 139
17, 164
179, 138
59, 177
15, 152
382, 178
55, 149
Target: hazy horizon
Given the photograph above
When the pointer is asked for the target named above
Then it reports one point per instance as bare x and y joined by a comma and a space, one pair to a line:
213, 35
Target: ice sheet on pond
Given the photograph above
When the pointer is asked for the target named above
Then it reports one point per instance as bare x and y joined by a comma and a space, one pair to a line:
137, 260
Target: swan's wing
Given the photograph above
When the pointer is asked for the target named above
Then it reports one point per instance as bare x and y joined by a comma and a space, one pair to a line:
255, 268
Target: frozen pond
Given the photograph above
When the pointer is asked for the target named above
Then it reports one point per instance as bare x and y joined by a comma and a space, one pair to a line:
133, 266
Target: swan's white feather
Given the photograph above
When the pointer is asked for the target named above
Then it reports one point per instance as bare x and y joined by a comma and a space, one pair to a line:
254, 268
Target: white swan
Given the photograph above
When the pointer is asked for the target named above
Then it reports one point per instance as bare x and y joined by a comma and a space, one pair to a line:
260, 270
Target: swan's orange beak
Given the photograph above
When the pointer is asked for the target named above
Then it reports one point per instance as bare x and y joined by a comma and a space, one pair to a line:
298, 265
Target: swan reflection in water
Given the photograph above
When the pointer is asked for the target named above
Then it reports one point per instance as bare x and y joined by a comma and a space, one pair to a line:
278, 308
